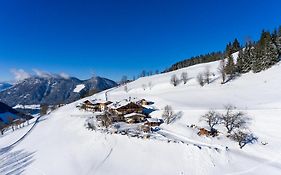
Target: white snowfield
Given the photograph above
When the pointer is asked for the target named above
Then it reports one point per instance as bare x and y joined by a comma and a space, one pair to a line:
78, 88
60, 144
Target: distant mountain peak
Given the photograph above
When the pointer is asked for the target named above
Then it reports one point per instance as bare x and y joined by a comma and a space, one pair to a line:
51, 90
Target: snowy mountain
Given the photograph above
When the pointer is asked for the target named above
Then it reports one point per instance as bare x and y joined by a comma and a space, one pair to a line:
51, 90
61, 144
4, 85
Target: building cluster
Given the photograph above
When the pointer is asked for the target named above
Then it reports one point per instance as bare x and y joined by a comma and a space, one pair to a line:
130, 111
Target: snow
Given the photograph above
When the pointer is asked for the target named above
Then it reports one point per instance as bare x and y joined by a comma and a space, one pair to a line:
132, 114
59, 143
18, 106
156, 120
78, 88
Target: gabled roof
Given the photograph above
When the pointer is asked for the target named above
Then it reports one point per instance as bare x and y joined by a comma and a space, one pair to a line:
133, 114
154, 120
97, 101
120, 104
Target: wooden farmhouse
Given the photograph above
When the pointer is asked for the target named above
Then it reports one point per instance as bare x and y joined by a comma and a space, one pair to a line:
134, 117
101, 105
123, 108
96, 105
88, 105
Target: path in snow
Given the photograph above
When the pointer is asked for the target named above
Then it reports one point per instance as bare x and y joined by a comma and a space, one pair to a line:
15, 162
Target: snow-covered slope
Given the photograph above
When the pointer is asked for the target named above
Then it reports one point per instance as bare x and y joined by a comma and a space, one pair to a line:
59, 143
79, 87
52, 90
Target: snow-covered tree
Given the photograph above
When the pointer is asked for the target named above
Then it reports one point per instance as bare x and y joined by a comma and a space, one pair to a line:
126, 88
248, 56
212, 118
243, 138
174, 80
233, 120
207, 75
278, 41
167, 114
200, 79
221, 70
184, 77
240, 61
266, 53
150, 85
230, 67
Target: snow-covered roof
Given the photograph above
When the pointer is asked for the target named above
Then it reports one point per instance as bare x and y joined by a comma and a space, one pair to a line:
120, 104
98, 101
132, 114
153, 120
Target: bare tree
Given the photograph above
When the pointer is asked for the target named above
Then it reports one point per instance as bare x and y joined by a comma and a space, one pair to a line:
150, 85
243, 138
212, 118
143, 86
168, 114
124, 79
43, 109
221, 70
90, 124
232, 120
174, 80
200, 79
207, 75
2, 127
184, 77
106, 120
126, 88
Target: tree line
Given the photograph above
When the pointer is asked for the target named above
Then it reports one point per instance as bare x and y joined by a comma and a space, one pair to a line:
254, 56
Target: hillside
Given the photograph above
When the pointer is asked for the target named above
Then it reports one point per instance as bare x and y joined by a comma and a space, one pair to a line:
52, 90
8, 114
60, 144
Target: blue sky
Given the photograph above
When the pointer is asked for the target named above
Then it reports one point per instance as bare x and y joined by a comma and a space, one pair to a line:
113, 38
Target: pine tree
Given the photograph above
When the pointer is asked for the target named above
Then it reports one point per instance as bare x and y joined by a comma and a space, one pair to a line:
228, 49
236, 45
269, 52
266, 53
256, 55
248, 58
278, 41
230, 66
240, 61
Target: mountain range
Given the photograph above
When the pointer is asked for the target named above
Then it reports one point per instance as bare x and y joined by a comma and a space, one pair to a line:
52, 90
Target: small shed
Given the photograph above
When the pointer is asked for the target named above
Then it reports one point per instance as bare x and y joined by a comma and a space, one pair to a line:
203, 132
